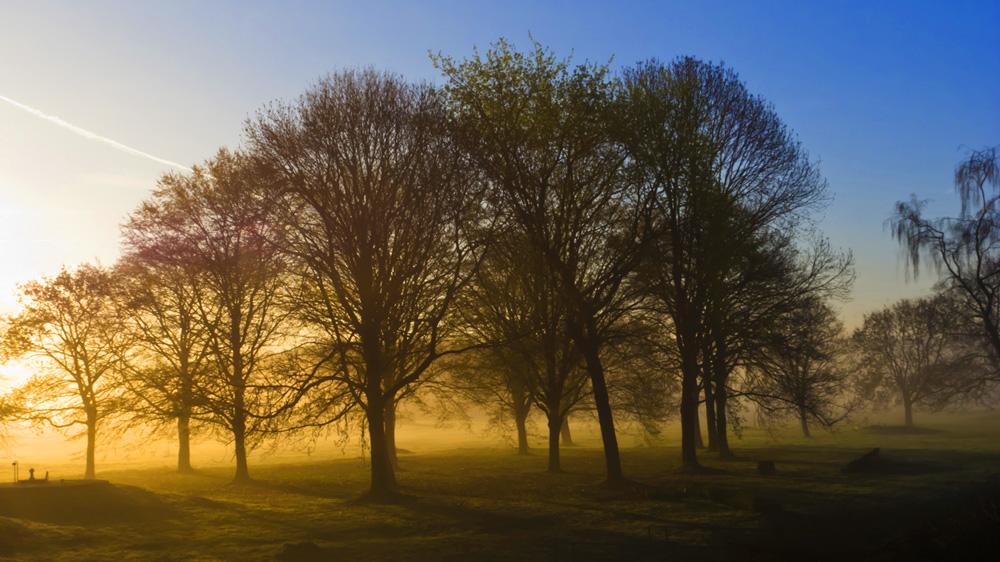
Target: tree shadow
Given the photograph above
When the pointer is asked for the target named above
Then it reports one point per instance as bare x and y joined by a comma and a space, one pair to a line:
284, 487
96, 505
902, 430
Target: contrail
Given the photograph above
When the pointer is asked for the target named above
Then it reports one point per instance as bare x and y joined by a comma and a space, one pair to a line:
93, 136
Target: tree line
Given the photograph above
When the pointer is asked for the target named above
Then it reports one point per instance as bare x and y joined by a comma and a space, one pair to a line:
634, 246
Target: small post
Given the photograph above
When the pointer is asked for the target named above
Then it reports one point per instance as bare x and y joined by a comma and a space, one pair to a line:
31, 474
14, 464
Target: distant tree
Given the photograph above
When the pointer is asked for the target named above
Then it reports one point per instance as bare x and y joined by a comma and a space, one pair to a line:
908, 353
170, 362
802, 368
384, 221
769, 294
516, 310
496, 312
642, 373
728, 176
964, 250
68, 322
493, 378
214, 221
544, 134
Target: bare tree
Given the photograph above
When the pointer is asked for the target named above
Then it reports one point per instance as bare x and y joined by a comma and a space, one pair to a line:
516, 307
801, 368
170, 360
497, 314
492, 378
214, 221
909, 354
383, 221
543, 133
641, 365
69, 323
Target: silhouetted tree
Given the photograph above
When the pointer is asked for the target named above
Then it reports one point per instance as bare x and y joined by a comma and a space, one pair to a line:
909, 354
215, 222
641, 365
771, 283
11, 410
494, 375
543, 133
964, 250
158, 298
515, 297
383, 221
493, 378
68, 322
727, 174
801, 368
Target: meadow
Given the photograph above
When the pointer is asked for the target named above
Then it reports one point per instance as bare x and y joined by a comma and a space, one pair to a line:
929, 498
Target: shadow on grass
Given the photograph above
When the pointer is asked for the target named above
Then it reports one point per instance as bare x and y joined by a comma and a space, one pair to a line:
484, 520
901, 430
322, 492
88, 506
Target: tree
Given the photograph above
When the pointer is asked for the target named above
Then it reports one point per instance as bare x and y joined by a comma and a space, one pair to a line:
641, 365
908, 354
769, 291
544, 135
69, 323
214, 222
169, 363
493, 378
515, 311
727, 175
964, 250
800, 370
383, 220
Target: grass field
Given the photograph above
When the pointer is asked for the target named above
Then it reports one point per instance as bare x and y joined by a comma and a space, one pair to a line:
929, 496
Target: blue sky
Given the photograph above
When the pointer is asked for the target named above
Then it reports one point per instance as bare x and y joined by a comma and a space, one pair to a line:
884, 94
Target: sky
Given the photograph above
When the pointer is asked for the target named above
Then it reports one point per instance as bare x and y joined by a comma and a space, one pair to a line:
887, 96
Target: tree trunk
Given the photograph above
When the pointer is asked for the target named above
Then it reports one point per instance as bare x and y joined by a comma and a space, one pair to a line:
521, 421
555, 426
383, 476
240, 430
595, 369
805, 422
238, 380
699, 442
521, 406
184, 443
907, 411
567, 437
383, 479
689, 414
91, 444
720, 374
240, 445
390, 432
186, 400
721, 423
713, 433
